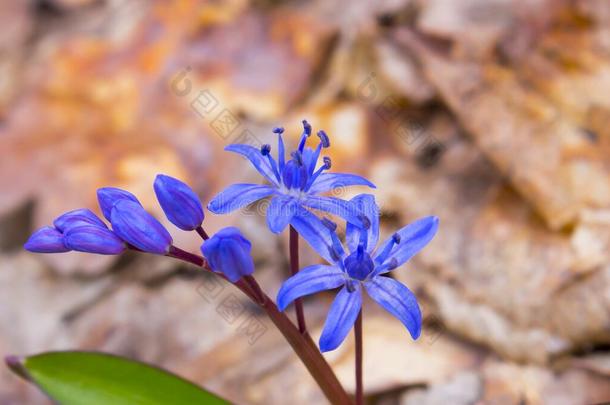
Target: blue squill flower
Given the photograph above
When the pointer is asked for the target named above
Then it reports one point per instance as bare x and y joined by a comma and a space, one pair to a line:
93, 239
77, 217
109, 196
362, 268
140, 229
293, 184
46, 240
228, 252
179, 202
80, 230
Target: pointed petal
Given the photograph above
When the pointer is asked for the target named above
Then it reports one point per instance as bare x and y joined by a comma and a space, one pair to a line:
238, 196
46, 240
336, 206
93, 239
341, 317
330, 181
397, 300
367, 206
309, 280
280, 212
109, 196
413, 238
134, 225
260, 163
316, 234
78, 217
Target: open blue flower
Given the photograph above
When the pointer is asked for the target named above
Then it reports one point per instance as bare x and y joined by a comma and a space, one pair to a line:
362, 268
294, 183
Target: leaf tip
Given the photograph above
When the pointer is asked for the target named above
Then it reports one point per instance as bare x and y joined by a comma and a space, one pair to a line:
15, 364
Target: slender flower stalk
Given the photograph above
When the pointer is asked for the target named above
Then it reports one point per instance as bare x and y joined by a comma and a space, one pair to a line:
204, 235
294, 269
359, 355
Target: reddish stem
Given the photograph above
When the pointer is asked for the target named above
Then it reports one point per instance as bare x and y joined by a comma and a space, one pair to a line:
294, 269
358, 336
183, 255
202, 233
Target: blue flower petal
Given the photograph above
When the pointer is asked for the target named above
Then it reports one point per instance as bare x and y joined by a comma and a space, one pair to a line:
413, 238
109, 196
341, 317
254, 155
280, 212
397, 300
179, 202
78, 217
93, 239
331, 181
309, 280
238, 196
319, 237
137, 227
367, 206
46, 240
336, 206
310, 158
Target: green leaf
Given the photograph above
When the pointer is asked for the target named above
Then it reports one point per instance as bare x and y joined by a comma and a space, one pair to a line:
87, 378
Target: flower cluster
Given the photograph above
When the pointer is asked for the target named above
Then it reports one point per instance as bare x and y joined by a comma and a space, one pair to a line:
295, 186
132, 226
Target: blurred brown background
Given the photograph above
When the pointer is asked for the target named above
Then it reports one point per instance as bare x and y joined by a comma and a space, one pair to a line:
492, 114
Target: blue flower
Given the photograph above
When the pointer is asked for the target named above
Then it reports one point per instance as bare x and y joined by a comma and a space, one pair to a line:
179, 202
294, 183
93, 239
362, 268
80, 230
109, 196
140, 229
46, 240
228, 252
77, 217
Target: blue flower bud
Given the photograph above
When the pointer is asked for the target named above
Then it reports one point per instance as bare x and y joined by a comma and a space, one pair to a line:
228, 252
179, 202
109, 196
140, 229
75, 218
46, 240
93, 239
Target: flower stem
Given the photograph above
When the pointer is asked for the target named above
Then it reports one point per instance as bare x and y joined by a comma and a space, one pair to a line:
301, 343
358, 336
256, 290
183, 255
294, 269
204, 235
